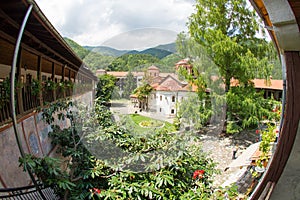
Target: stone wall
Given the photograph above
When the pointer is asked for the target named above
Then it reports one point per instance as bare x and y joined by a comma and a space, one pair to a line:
33, 133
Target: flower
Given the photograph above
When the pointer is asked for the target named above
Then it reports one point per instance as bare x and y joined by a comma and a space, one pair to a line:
96, 190
198, 174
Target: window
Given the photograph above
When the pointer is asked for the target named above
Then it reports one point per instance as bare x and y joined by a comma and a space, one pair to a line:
159, 109
160, 98
172, 111
173, 98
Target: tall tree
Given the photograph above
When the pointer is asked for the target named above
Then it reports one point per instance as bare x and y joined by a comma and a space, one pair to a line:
142, 93
227, 29
105, 87
129, 85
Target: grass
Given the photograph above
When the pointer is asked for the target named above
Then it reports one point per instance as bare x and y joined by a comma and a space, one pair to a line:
132, 122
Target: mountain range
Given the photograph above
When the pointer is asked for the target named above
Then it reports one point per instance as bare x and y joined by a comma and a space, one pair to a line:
159, 51
103, 57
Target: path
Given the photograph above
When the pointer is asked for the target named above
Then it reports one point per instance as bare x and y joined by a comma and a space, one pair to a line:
220, 149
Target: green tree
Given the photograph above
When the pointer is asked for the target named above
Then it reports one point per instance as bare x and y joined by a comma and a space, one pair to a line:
194, 112
183, 172
95, 60
205, 76
131, 61
248, 107
167, 63
142, 93
79, 50
105, 87
129, 85
227, 30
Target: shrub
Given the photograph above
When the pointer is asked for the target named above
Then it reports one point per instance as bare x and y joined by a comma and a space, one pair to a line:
159, 166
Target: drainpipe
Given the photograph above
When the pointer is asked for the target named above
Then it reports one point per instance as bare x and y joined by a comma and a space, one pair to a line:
12, 96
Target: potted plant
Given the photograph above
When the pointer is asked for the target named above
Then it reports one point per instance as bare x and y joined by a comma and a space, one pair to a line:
5, 92
69, 84
36, 87
50, 85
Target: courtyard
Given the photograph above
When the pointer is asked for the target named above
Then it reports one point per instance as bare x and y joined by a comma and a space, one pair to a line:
219, 148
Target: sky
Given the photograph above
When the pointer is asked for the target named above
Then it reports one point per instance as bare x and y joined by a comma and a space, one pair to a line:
122, 24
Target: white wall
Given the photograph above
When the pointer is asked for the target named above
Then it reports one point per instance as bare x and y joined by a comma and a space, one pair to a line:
161, 101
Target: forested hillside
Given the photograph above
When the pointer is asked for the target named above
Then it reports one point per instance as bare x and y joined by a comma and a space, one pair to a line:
132, 62
101, 57
94, 60
108, 51
159, 53
79, 50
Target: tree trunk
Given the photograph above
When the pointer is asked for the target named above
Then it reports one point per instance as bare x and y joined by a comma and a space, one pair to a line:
225, 117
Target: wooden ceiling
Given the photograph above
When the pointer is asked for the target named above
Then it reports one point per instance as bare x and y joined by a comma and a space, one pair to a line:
39, 33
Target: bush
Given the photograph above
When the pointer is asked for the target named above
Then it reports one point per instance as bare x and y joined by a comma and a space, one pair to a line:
232, 128
158, 166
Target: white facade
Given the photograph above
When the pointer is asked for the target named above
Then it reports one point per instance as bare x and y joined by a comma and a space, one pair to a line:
167, 102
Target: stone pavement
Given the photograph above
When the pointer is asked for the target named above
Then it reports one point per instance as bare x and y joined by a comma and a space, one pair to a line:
220, 149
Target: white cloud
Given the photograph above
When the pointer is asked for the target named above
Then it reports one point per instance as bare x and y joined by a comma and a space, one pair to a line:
92, 22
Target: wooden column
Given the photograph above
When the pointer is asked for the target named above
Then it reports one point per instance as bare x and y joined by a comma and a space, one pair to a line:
53, 79
63, 79
39, 78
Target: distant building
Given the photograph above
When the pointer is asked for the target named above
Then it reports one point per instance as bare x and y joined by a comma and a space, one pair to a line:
167, 95
185, 64
272, 88
121, 76
169, 91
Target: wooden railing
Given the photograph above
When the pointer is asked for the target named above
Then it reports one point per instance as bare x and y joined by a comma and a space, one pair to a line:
4, 104
48, 95
60, 93
31, 99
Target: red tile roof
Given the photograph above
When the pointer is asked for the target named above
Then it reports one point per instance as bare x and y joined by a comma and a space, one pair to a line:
272, 84
171, 83
153, 67
124, 74
185, 61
